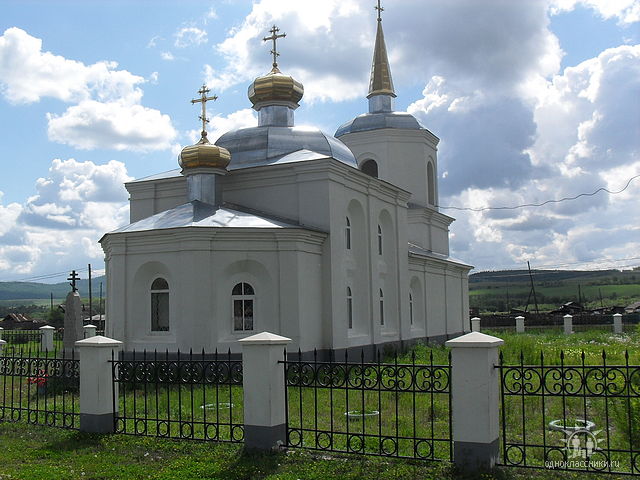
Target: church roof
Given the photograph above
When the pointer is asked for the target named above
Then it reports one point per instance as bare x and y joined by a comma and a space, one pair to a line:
375, 121
198, 214
421, 252
268, 145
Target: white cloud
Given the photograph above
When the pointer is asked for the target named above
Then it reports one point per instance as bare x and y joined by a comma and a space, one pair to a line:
188, 36
28, 74
625, 11
168, 56
113, 125
106, 111
58, 227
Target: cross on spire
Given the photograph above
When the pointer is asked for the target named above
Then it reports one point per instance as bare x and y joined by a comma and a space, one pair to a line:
380, 9
274, 37
204, 99
73, 277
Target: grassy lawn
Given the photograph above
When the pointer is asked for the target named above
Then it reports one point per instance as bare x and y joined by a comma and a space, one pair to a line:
28, 451
40, 453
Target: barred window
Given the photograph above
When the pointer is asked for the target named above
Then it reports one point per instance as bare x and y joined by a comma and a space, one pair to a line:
242, 299
350, 307
160, 305
347, 233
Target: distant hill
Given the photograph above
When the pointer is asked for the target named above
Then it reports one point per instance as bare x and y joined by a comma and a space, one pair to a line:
500, 291
34, 290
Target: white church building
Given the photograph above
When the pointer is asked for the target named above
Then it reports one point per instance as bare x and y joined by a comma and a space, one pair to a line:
333, 241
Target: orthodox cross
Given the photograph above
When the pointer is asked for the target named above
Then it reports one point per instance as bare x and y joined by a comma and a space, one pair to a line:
73, 277
204, 99
274, 36
380, 10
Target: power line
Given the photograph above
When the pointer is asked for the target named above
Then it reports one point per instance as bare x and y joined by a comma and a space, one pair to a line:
556, 266
47, 276
528, 205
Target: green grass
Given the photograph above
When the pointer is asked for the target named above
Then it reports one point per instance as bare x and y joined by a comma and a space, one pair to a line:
431, 413
39, 453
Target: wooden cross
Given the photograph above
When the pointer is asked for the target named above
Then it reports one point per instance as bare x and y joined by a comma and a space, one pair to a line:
274, 37
204, 99
380, 10
73, 277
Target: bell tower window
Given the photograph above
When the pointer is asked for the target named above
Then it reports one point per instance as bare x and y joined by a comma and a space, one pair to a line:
370, 167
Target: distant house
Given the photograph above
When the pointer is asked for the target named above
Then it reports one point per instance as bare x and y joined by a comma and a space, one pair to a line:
19, 321
569, 308
633, 308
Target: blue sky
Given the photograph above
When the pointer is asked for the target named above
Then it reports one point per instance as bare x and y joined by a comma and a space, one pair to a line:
532, 100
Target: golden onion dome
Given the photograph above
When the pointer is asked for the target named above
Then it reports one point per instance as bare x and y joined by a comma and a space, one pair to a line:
275, 87
204, 154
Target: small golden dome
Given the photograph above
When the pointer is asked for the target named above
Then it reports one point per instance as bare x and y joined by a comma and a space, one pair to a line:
204, 154
275, 87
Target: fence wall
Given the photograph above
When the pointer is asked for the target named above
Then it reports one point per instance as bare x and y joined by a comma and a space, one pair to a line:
389, 409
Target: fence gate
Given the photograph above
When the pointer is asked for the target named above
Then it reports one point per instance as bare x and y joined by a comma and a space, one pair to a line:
371, 408
577, 417
179, 396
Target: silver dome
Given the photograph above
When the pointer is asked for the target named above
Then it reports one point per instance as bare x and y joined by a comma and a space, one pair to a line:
256, 146
375, 121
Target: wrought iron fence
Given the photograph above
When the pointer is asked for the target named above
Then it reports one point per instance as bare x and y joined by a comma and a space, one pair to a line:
571, 417
41, 389
179, 396
386, 409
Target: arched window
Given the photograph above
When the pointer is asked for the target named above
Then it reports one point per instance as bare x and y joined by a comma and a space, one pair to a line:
381, 308
379, 240
431, 184
350, 307
410, 309
242, 298
159, 305
347, 233
370, 167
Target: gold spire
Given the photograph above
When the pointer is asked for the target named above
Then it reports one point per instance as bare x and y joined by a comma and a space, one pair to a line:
381, 82
203, 153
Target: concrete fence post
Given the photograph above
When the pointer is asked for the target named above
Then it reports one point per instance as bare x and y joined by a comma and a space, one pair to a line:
46, 338
519, 324
89, 331
2, 344
264, 391
97, 410
475, 397
475, 324
568, 324
617, 323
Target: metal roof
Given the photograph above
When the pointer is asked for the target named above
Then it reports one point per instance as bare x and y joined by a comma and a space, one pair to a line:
375, 121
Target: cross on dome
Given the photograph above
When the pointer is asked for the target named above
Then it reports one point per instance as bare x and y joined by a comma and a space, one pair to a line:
274, 37
204, 99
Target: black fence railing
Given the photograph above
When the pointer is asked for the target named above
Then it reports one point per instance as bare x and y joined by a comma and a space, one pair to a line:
40, 388
190, 396
386, 409
18, 337
571, 417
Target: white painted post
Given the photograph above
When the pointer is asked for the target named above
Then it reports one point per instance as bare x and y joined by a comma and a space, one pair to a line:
46, 339
568, 324
89, 331
617, 323
97, 410
519, 324
264, 391
475, 397
475, 324
2, 344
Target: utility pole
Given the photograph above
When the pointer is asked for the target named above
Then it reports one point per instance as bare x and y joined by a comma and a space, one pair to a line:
533, 288
90, 297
